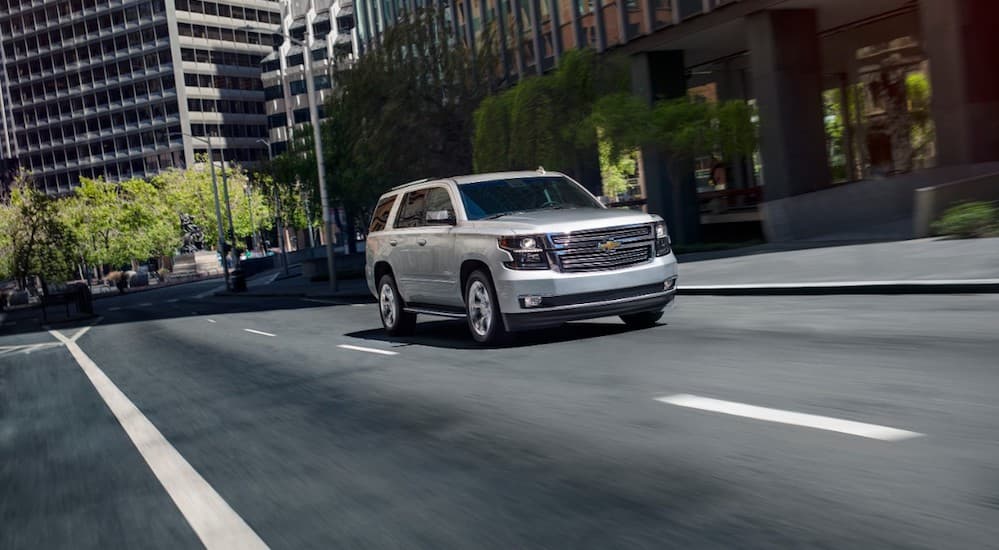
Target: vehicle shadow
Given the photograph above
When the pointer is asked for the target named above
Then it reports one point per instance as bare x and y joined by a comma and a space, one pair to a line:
453, 334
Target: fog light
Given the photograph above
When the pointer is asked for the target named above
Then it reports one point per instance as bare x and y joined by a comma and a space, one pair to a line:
532, 301
669, 285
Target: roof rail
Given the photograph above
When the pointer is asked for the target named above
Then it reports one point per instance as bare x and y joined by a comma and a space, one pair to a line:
415, 182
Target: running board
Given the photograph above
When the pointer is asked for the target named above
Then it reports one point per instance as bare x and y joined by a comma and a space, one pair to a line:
435, 312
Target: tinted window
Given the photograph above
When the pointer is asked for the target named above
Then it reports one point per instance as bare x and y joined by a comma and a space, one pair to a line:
380, 218
439, 200
413, 209
498, 197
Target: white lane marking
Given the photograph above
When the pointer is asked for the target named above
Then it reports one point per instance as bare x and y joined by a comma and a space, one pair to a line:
872, 431
210, 320
146, 304
84, 330
273, 278
260, 332
358, 305
209, 515
207, 293
116, 308
368, 350
173, 301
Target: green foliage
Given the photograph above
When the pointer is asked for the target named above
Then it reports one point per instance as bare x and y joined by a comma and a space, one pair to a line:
35, 240
492, 133
969, 220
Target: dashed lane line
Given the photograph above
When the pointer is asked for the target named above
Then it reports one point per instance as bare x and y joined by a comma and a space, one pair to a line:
215, 523
213, 321
860, 429
260, 332
367, 350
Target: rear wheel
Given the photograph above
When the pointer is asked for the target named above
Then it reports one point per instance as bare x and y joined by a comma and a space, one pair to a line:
645, 319
396, 321
484, 320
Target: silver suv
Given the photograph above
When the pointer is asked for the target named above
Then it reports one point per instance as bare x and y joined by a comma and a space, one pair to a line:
514, 251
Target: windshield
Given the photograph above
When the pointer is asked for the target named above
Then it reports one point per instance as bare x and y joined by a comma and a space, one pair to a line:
496, 198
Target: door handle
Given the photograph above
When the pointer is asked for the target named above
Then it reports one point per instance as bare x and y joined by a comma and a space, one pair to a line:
393, 242
421, 242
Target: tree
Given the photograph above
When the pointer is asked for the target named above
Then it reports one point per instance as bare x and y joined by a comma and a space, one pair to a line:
36, 241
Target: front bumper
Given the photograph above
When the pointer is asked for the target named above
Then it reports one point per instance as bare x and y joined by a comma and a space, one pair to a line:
541, 318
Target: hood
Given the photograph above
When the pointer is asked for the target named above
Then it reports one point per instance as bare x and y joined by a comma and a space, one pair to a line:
562, 221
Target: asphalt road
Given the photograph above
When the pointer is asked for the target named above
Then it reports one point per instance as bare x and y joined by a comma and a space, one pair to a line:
556, 442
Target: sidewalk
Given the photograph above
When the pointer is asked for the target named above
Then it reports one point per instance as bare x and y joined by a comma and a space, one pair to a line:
924, 266
900, 267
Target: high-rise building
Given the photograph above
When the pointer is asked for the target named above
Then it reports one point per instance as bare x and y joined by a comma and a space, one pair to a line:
127, 88
326, 29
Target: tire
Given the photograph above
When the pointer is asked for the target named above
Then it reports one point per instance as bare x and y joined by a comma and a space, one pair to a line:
645, 319
485, 321
390, 307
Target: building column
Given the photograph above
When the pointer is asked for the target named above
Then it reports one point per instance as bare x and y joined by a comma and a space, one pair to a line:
731, 82
655, 76
786, 63
962, 44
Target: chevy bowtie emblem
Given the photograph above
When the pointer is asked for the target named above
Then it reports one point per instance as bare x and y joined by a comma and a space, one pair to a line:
608, 246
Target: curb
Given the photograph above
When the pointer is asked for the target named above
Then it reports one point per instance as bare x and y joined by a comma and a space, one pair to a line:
966, 286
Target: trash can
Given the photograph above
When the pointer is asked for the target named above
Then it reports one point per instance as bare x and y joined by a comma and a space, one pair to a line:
238, 280
84, 300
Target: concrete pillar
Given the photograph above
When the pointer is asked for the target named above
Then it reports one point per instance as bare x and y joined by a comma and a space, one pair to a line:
962, 43
786, 63
655, 76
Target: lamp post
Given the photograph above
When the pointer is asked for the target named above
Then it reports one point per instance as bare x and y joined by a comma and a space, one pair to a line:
218, 209
317, 140
277, 211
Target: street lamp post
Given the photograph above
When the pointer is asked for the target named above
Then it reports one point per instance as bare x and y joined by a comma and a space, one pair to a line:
228, 214
277, 211
218, 209
310, 88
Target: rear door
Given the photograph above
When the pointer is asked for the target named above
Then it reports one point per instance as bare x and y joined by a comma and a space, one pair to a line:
403, 241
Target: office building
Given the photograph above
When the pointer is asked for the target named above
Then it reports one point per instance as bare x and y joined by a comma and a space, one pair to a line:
127, 88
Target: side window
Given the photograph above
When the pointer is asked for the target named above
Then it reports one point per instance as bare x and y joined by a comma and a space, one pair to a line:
380, 218
439, 205
412, 210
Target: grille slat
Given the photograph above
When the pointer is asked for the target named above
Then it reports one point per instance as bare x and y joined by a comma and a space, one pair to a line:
578, 251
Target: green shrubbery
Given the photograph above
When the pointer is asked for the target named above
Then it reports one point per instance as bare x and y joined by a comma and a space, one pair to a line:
969, 220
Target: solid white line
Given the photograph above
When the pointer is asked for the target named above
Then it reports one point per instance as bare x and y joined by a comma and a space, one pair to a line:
145, 304
210, 320
872, 431
317, 301
260, 332
273, 278
116, 308
210, 516
368, 350
173, 301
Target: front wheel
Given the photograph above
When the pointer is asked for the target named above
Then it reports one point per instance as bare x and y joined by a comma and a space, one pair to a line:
484, 320
645, 319
397, 322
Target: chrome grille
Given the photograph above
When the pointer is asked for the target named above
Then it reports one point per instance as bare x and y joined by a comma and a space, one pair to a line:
579, 251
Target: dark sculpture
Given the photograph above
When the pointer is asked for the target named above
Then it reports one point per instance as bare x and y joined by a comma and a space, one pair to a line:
194, 238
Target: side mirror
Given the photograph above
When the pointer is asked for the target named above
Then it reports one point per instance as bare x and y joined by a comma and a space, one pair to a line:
440, 217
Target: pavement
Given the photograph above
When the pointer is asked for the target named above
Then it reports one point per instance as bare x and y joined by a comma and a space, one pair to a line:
923, 266
180, 419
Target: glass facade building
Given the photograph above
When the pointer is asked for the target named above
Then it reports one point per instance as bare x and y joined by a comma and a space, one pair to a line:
127, 88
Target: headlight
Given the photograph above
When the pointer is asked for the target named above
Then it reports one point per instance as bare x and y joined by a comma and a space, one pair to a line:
662, 239
527, 252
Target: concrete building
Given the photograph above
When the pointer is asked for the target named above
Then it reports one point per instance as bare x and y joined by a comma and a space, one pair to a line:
860, 103
326, 28
126, 88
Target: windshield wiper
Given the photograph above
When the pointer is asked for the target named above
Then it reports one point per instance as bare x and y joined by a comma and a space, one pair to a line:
501, 214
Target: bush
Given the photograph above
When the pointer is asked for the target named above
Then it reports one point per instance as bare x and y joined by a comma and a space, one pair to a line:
969, 220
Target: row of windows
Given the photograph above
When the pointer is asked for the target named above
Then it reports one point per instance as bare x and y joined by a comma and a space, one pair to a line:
126, 69
59, 13
235, 154
220, 57
92, 29
229, 130
95, 53
222, 82
233, 106
227, 11
80, 128
159, 138
114, 171
298, 87
219, 33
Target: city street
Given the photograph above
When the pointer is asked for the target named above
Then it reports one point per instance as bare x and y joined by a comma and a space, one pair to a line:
181, 419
